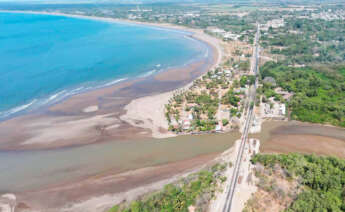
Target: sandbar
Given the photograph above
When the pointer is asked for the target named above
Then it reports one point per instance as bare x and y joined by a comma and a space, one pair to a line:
134, 106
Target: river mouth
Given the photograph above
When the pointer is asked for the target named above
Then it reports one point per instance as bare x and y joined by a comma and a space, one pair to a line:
95, 116
293, 136
30, 170
83, 138
54, 178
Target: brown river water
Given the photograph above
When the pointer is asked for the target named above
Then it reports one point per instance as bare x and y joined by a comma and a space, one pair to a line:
26, 170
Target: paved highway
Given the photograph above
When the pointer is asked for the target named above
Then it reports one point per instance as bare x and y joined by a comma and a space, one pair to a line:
234, 179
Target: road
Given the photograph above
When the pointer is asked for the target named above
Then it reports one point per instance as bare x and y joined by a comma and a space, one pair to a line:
230, 190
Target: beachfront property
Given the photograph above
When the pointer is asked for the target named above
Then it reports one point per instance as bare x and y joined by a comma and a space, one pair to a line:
215, 101
225, 35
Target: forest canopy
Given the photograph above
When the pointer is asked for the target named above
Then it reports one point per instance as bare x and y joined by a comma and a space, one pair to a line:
319, 93
323, 179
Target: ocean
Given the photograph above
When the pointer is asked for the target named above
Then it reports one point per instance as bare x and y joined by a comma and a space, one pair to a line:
46, 58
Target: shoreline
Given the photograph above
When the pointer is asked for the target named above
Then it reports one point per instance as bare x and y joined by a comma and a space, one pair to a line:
56, 179
60, 96
83, 194
105, 115
106, 110
142, 114
101, 192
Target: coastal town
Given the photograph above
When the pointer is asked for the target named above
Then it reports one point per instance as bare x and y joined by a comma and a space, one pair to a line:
215, 102
257, 124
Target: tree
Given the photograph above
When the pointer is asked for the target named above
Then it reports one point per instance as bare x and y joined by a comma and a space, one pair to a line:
323, 178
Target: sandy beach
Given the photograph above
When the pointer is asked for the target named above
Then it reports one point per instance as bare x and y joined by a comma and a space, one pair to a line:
129, 109
108, 131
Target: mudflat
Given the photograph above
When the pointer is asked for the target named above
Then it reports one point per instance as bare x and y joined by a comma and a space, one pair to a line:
94, 116
107, 189
95, 144
293, 136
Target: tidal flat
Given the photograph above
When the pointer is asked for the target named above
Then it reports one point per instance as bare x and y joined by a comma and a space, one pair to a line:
294, 136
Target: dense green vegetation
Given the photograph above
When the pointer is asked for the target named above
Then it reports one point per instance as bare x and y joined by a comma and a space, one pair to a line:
196, 190
231, 98
267, 90
202, 101
323, 179
205, 105
305, 41
319, 92
247, 80
189, 14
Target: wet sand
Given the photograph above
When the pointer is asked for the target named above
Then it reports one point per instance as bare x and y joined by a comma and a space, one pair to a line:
293, 136
136, 164
47, 164
68, 195
94, 116
121, 156
66, 124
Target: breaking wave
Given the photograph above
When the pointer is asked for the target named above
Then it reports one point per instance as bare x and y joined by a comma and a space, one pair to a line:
54, 98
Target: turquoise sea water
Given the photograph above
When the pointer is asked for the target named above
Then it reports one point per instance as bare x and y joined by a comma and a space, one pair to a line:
46, 58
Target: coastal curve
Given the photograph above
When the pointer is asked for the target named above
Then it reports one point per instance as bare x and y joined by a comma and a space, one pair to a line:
109, 113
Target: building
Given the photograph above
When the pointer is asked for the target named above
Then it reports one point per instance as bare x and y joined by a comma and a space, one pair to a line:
190, 117
282, 109
228, 73
186, 125
216, 30
270, 80
231, 36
